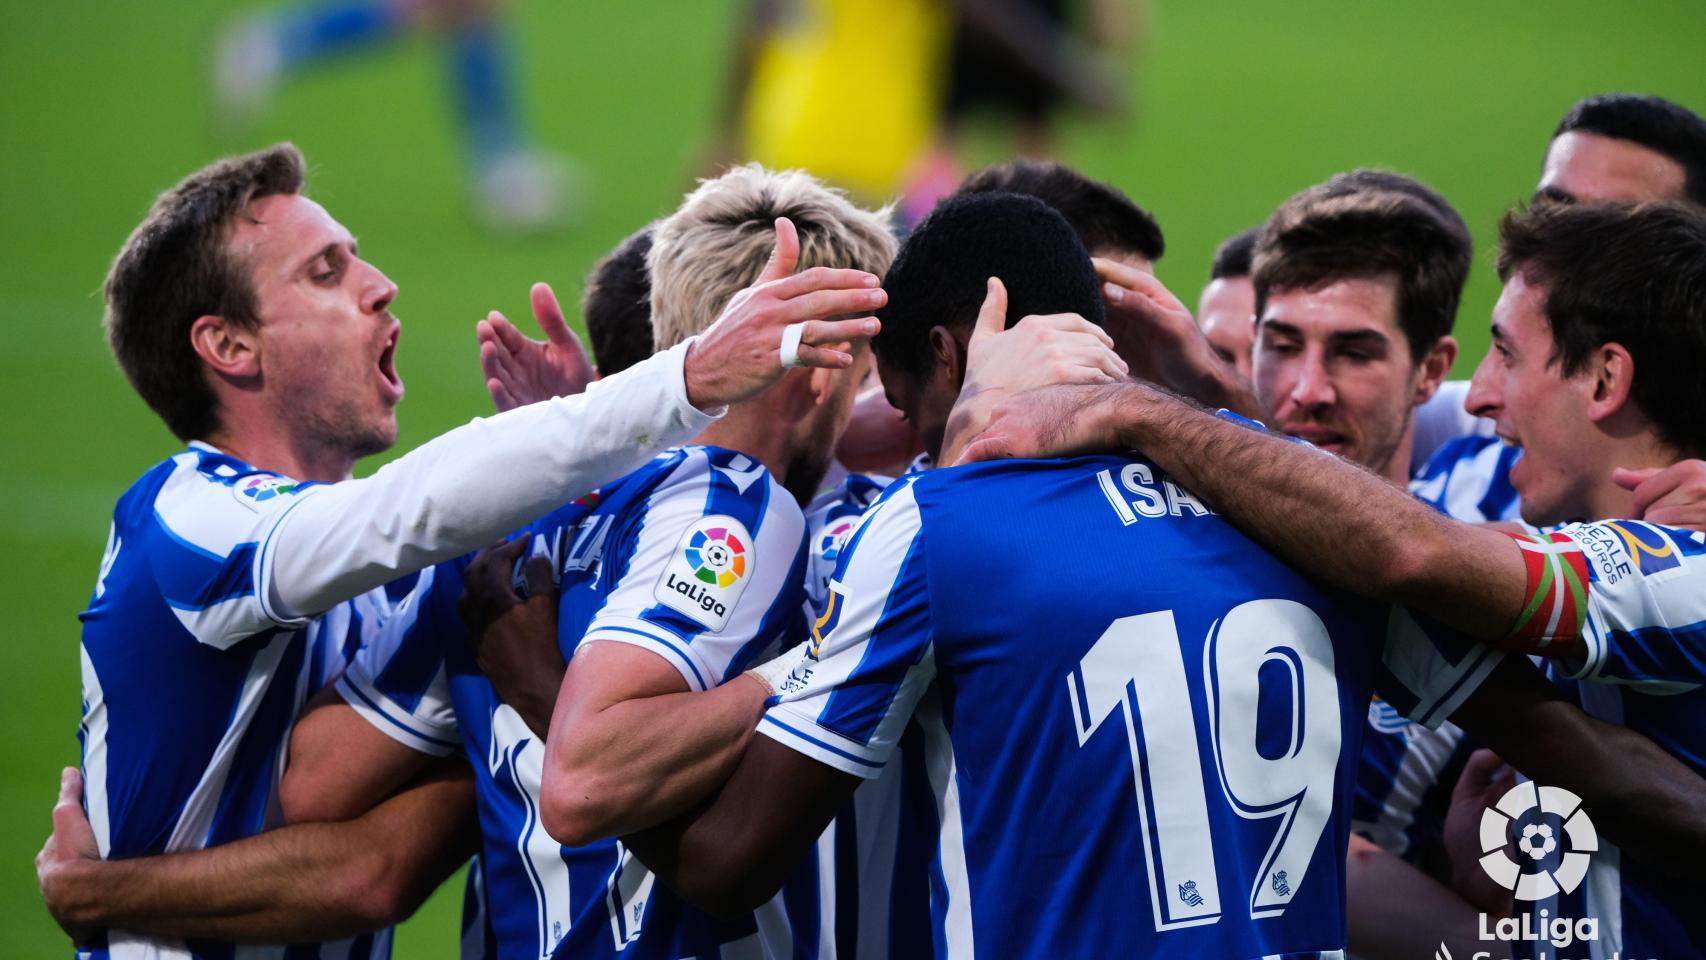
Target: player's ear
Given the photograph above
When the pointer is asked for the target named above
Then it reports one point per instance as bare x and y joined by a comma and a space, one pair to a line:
1612, 374
229, 350
822, 380
948, 353
1431, 372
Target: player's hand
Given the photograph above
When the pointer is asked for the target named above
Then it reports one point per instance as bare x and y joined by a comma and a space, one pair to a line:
1484, 780
70, 847
1674, 496
1155, 333
740, 354
1051, 422
1038, 351
514, 638
520, 371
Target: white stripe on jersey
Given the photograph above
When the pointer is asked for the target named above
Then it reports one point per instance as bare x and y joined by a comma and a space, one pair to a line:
95, 754
1426, 752
951, 848
193, 825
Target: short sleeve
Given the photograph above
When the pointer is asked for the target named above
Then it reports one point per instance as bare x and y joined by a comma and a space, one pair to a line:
872, 655
712, 570
1646, 603
214, 514
1427, 670
397, 680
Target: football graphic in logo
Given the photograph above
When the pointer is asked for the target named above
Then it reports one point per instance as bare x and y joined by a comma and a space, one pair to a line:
1530, 810
717, 556
829, 545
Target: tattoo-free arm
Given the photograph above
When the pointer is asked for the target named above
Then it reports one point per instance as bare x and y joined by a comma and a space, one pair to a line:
1326, 516
733, 852
1391, 906
340, 765
631, 746
1640, 797
305, 882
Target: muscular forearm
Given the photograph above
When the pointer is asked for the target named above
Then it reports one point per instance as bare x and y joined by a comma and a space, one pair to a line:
305, 882
1326, 516
527, 680
470, 486
1392, 906
639, 762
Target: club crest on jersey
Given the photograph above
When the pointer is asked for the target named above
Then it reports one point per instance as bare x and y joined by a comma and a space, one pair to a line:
708, 571
1188, 893
258, 489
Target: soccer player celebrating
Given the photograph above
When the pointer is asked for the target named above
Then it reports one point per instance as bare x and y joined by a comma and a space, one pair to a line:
1595, 338
672, 579
241, 573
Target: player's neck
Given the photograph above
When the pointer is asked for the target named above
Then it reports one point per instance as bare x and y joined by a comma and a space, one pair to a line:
754, 432
1397, 469
270, 448
1605, 499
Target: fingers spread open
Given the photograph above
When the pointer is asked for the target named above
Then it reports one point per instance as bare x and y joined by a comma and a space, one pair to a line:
821, 304
549, 314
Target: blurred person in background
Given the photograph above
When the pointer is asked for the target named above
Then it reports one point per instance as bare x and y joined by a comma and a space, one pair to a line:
1226, 311
1620, 146
513, 186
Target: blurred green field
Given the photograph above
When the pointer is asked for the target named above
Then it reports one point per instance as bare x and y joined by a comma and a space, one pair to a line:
105, 103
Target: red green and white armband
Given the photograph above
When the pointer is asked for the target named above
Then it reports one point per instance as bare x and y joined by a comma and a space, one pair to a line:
1555, 604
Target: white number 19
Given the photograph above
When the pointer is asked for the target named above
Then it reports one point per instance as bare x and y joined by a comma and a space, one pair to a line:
1137, 665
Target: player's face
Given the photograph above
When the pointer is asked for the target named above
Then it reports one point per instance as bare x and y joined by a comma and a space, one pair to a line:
327, 337
924, 402
818, 432
1333, 367
1588, 168
1227, 312
1535, 407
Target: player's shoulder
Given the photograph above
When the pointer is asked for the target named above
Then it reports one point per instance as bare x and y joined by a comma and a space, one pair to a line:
716, 480
848, 497
1619, 550
212, 501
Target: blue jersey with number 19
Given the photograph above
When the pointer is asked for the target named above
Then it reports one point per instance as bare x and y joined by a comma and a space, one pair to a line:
1141, 728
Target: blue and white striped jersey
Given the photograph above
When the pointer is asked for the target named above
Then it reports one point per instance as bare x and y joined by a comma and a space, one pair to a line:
1469, 479
191, 683
1443, 419
1147, 754
874, 855
1646, 670
699, 557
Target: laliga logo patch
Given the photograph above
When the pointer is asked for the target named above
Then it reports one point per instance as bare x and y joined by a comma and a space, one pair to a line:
708, 571
258, 489
829, 545
1536, 839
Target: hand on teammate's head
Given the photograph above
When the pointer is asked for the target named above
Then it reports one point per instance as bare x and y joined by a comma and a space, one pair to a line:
740, 354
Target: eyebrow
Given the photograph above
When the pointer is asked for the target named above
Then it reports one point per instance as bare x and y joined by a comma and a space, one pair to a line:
1340, 338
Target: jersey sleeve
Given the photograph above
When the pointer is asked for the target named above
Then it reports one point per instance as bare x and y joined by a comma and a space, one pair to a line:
397, 680
1646, 603
214, 513
460, 491
872, 653
714, 569
1427, 670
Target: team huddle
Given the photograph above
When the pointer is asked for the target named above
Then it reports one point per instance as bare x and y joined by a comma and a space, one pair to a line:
879, 596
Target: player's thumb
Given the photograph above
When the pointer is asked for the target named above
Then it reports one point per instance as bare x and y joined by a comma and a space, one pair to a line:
785, 256
1630, 479
537, 573
992, 316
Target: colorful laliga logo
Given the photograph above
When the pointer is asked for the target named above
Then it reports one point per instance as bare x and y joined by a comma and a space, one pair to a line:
1649, 549
830, 544
261, 488
717, 556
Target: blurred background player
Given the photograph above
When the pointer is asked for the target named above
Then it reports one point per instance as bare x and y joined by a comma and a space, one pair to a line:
513, 186
1619, 146
1226, 311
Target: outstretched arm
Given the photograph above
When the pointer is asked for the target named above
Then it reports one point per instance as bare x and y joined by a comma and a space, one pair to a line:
1326, 516
733, 852
307, 882
470, 486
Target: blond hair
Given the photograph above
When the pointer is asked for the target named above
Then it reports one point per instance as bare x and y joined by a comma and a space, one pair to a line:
718, 242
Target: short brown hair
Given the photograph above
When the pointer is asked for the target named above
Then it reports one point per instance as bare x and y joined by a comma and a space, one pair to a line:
1370, 223
1632, 274
617, 305
176, 267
